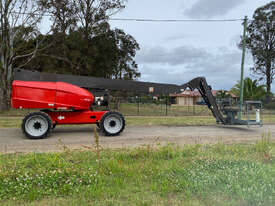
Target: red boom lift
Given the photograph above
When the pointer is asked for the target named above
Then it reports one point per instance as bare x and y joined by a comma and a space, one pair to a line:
64, 103
60, 103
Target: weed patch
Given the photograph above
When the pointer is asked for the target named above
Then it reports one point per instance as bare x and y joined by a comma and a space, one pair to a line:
263, 147
193, 175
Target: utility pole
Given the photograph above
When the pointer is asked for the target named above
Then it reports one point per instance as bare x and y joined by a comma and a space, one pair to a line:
242, 66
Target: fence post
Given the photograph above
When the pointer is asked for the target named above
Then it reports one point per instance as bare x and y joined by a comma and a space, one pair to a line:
138, 105
166, 108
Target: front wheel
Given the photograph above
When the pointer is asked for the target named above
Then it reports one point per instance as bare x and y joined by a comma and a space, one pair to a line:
112, 123
36, 125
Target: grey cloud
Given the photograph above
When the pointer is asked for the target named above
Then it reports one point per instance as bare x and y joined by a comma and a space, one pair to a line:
211, 8
221, 69
221, 80
179, 55
224, 60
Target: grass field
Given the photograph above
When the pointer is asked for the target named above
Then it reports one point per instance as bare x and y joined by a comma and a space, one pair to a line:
13, 118
193, 175
15, 121
143, 110
149, 109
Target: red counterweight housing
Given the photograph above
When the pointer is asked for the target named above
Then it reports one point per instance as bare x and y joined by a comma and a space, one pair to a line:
61, 103
50, 95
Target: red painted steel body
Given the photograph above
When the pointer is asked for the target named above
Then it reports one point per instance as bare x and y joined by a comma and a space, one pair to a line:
64, 103
49, 95
75, 117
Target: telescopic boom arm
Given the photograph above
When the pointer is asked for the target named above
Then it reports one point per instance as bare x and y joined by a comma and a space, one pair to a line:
205, 91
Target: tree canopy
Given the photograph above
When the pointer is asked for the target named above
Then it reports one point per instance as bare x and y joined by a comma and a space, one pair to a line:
80, 40
252, 90
19, 21
223, 94
261, 42
109, 54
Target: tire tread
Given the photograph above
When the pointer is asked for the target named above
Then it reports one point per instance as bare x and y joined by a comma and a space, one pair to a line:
46, 134
102, 123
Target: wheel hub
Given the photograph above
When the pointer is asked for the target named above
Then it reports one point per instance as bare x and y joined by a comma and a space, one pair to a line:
112, 123
37, 125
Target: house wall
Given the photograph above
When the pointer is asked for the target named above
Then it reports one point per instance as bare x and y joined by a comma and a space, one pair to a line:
187, 100
198, 99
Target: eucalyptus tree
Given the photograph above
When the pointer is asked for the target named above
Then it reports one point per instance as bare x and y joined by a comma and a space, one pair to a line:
261, 42
75, 23
92, 17
92, 13
15, 17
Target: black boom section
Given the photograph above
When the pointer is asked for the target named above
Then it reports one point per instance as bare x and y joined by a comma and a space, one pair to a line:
205, 91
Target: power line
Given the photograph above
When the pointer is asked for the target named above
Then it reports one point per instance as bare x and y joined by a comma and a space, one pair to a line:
175, 20
149, 20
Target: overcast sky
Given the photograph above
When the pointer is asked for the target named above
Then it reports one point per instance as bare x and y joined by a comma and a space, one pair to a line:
177, 52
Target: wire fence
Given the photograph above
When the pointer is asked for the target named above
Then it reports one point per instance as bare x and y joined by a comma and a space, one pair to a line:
148, 106
144, 106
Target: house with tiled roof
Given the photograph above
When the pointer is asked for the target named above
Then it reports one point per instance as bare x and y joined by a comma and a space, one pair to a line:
189, 98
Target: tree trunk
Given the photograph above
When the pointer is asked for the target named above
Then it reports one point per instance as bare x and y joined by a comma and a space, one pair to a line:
4, 100
268, 81
5, 93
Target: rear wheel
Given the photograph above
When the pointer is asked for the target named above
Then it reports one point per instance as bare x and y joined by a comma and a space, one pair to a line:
112, 123
36, 125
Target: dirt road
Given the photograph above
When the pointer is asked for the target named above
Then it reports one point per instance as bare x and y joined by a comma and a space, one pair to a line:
12, 139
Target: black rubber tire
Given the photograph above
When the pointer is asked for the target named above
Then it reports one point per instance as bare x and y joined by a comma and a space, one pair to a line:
44, 115
103, 119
